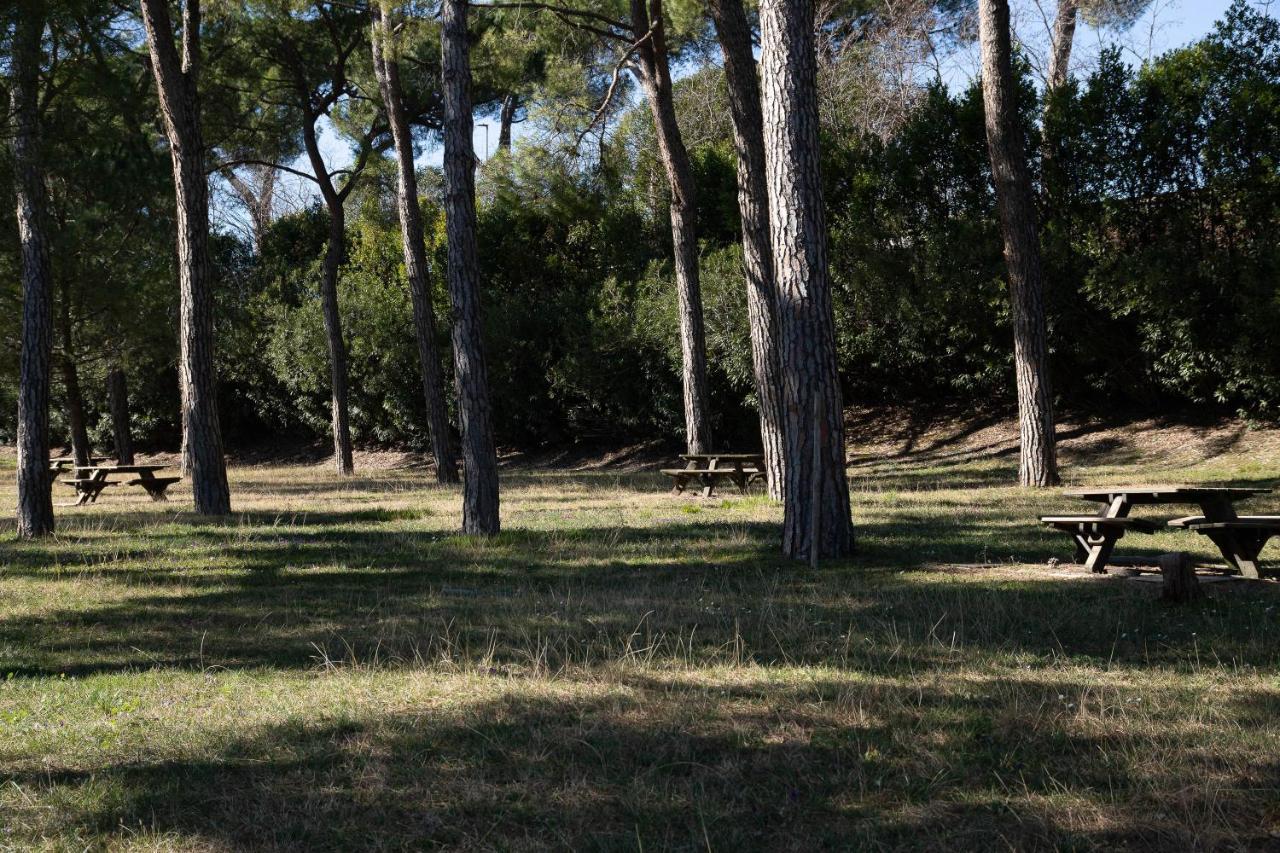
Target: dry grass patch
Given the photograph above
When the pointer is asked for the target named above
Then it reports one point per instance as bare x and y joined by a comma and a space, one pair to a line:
335, 668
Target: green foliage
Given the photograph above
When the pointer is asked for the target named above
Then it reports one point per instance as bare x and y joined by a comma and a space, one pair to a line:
1159, 186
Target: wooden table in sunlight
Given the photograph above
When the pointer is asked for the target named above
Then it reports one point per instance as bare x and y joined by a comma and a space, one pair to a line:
1239, 538
90, 481
741, 469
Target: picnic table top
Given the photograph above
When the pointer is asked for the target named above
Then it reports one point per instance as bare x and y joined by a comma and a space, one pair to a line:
70, 460
742, 456
1166, 493
123, 469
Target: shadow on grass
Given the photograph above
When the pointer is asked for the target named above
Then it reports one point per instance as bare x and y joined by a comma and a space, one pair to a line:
290, 597
666, 766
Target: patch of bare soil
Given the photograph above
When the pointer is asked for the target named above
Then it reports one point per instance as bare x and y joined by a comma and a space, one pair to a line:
626, 459
878, 434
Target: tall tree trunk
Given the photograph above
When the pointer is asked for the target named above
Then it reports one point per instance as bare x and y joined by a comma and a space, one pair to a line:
1064, 31
479, 458
416, 267
1014, 195
176, 84
35, 503
80, 447
816, 519
753, 206
118, 391
510, 104
339, 408
655, 76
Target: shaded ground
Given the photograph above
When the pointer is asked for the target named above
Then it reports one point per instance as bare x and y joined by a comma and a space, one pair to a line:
333, 668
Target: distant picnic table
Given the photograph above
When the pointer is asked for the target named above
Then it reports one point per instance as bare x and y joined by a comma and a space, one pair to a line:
1240, 539
92, 480
58, 464
708, 469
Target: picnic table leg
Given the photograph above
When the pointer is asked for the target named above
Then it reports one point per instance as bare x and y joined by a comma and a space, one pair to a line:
1234, 546
1100, 548
1240, 549
709, 480
1097, 548
740, 477
154, 489
99, 485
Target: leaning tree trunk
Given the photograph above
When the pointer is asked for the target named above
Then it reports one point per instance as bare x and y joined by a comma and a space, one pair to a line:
510, 104
176, 84
415, 251
753, 205
339, 408
480, 462
655, 75
35, 503
816, 519
118, 392
1064, 31
81, 450
1014, 195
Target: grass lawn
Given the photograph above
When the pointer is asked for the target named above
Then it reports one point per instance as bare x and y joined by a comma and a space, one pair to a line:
334, 668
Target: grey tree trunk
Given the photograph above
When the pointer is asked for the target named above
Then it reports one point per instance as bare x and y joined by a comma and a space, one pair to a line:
176, 84
81, 450
479, 458
416, 266
118, 392
258, 198
1064, 31
1014, 195
734, 33
655, 75
334, 256
35, 501
816, 520
510, 104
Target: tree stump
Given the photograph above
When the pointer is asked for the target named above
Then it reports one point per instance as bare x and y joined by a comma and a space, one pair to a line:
1180, 583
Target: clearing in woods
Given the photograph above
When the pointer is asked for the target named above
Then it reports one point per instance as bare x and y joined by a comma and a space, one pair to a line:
334, 668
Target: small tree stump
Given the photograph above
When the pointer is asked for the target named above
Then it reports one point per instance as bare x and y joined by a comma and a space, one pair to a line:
1180, 582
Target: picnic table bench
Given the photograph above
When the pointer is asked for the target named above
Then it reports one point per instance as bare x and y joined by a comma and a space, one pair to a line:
90, 482
1239, 538
709, 469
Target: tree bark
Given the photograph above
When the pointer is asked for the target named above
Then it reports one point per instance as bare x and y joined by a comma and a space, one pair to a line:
81, 450
416, 266
816, 520
480, 462
334, 256
1014, 195
176, 84
655, 76
339, 408
734, 33
1064, 31
118, 391
510, 104
35, 501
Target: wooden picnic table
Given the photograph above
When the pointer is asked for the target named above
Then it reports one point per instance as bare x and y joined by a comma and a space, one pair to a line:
709, 468
58, 464
1236, 538
92, 480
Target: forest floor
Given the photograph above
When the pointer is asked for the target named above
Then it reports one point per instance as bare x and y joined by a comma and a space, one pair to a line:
334, 668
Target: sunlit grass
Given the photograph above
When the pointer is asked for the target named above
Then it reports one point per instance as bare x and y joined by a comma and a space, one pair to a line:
335, 667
